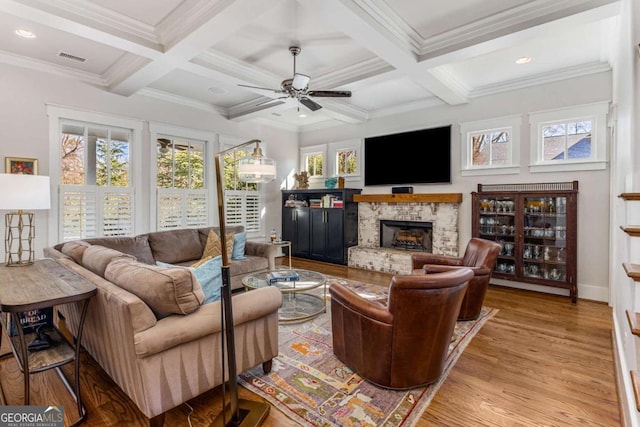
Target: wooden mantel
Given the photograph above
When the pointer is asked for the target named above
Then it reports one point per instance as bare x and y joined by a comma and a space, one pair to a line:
409, 198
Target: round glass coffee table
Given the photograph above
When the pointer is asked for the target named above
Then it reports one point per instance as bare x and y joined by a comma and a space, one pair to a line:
298, 303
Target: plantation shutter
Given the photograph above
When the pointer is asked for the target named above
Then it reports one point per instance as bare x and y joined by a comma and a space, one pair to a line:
181, 208
90, 211
243, 208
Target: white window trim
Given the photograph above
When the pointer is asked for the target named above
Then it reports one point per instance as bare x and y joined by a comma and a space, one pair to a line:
209, 138
57, 113
350, 144
513, 123
597, 112
315, 149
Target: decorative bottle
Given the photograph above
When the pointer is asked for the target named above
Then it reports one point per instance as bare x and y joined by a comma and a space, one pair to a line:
273, 235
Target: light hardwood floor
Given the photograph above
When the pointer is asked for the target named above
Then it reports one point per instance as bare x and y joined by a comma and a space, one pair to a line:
539, 362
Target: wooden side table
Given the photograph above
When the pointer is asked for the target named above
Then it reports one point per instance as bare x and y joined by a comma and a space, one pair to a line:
43, 284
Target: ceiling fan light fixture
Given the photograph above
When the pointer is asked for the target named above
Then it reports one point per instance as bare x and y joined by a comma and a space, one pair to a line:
257, 168
300, 81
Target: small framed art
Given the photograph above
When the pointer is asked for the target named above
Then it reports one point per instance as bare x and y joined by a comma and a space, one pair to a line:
20, 165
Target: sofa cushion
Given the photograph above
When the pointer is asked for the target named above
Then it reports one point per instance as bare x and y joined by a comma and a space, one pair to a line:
75, 249
209, 275
137, 246
175, 246
96, 258
165, 290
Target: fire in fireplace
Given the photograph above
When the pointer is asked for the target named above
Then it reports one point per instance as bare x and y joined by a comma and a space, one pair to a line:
406, 235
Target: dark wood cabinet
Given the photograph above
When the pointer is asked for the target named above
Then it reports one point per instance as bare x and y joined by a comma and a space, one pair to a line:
295, 228
536, 225
320, 223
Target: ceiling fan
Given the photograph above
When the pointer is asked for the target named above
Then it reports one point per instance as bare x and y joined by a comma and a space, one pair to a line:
298, 87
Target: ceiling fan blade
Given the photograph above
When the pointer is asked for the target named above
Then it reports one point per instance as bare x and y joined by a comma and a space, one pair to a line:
263, 88
300, 81
330, 93
311, 105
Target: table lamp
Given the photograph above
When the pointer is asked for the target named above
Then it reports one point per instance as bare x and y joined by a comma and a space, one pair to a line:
254, 169
19, 193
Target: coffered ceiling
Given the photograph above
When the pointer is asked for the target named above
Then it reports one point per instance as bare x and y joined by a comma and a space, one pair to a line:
393, 55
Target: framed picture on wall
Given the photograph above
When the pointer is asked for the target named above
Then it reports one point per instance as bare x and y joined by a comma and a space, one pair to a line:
21, 165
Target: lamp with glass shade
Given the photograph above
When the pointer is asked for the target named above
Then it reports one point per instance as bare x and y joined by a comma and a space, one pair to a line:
240, 412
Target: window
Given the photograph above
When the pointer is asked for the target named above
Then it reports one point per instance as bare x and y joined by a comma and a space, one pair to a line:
491, 146
94, 171
313, 160
182, 194
346, 156
569, 138
243, 201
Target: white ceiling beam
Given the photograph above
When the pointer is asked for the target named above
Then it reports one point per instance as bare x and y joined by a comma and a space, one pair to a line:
342, 111
227, 17
349, 17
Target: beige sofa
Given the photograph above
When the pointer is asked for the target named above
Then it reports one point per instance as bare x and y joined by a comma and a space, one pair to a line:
166, 350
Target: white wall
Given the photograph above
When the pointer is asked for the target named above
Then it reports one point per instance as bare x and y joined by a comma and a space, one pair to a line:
593, 198
24, 128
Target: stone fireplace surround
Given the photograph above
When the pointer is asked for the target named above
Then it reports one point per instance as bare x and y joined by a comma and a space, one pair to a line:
439, 209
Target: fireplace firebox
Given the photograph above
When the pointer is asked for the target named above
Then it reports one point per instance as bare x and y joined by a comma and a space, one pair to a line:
406, 235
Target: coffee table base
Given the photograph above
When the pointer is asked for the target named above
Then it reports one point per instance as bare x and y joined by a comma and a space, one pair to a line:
301, 306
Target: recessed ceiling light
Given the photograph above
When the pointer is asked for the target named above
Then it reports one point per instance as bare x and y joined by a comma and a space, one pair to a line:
523, 60
25, 33
303, 115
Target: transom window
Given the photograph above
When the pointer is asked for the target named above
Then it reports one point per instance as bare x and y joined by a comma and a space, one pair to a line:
573, 138
563, 141
346, 157
491, 146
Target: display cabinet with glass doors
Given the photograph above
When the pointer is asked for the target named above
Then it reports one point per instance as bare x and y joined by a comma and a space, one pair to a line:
536, 226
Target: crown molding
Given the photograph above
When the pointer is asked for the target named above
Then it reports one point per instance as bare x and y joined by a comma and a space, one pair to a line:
388, 19
104, 17
517, 18
352, 73
542, 78
181, 100
47, 67
240, 70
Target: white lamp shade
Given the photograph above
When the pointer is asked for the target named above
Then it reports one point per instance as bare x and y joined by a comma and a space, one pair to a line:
258, 170
24, 192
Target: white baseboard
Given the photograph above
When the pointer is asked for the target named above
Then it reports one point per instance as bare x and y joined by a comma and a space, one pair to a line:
590, 292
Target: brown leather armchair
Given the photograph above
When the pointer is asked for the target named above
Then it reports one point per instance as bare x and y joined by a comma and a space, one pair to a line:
405, 343
480, 255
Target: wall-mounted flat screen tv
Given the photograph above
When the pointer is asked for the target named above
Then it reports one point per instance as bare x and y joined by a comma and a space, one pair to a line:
417, 157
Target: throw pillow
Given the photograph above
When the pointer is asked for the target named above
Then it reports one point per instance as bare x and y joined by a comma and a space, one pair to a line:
213, 248
75, 249
239, 242
209, 274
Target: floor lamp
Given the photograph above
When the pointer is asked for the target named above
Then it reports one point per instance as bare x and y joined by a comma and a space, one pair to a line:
19, 193
254, 169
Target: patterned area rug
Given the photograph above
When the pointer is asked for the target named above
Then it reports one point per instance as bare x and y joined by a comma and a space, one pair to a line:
312, 387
